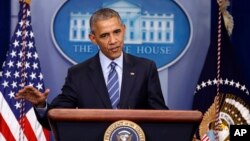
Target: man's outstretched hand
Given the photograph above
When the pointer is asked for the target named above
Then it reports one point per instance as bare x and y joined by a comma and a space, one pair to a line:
31, 94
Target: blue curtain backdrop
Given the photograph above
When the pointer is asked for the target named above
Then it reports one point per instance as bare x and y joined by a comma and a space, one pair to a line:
4, 28
240, 10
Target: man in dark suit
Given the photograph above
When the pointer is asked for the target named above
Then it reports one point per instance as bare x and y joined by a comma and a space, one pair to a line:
135, 84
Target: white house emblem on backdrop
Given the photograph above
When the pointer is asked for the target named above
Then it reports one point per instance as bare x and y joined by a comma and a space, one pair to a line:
160, 33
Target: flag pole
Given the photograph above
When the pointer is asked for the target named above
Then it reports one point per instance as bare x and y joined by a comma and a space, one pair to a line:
24, 20
218, 77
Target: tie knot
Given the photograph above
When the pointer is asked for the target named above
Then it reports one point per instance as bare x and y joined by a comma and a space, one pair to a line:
112, 65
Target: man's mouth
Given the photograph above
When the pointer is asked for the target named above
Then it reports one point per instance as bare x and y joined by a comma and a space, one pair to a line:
114, 49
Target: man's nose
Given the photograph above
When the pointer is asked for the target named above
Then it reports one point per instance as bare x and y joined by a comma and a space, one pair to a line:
112, 39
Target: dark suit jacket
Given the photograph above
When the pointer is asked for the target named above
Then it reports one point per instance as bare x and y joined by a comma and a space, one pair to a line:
85, 86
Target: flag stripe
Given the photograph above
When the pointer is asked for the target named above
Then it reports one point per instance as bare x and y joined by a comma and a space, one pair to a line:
35, 126
47, 134
4, 129
2, 137
28, 130
205, 138
9, 118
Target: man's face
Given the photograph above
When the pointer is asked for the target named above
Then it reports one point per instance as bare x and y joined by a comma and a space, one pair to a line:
109, 36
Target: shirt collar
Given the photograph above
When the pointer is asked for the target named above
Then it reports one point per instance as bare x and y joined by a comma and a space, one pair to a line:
105, 61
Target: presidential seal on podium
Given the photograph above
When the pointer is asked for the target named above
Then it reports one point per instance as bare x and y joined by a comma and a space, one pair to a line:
124, 130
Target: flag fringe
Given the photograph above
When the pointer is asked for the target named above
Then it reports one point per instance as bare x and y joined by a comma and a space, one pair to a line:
227, 17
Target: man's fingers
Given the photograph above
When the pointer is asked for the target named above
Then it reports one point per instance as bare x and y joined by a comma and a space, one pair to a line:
26, 89
30, 89
18, 96
33, 95
46, 92
29, 92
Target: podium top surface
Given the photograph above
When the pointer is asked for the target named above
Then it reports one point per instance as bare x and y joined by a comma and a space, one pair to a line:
135, 115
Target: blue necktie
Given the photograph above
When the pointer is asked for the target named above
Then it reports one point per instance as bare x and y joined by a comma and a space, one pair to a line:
113, 86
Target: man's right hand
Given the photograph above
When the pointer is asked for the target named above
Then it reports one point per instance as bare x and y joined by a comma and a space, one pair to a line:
31, 94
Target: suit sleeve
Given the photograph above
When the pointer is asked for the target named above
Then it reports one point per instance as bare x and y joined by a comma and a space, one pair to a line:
64, 100
68, 97
155, 96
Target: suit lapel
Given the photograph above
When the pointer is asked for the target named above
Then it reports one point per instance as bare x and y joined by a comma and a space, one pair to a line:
128, 79
97, 79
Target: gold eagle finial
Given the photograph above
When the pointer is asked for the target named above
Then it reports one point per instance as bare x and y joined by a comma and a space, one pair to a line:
26, 1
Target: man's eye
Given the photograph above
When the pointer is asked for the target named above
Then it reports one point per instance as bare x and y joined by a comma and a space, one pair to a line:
117, 31
104, 36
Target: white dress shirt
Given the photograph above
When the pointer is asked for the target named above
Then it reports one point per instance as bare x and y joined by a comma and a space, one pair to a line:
105, 64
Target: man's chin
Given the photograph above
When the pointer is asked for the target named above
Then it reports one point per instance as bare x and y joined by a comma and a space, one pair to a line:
115, 55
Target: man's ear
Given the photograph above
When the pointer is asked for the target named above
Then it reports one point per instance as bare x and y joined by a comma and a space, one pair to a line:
92, 38
124, 29
124, 26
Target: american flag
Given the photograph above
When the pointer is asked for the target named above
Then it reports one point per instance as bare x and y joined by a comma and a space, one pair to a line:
21, 67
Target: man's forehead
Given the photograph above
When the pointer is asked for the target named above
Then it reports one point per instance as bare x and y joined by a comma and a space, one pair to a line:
107, 27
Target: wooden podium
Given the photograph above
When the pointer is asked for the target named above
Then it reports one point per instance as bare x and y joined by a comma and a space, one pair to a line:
91, 124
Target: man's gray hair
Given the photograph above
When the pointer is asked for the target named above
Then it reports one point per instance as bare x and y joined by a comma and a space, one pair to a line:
103, 14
